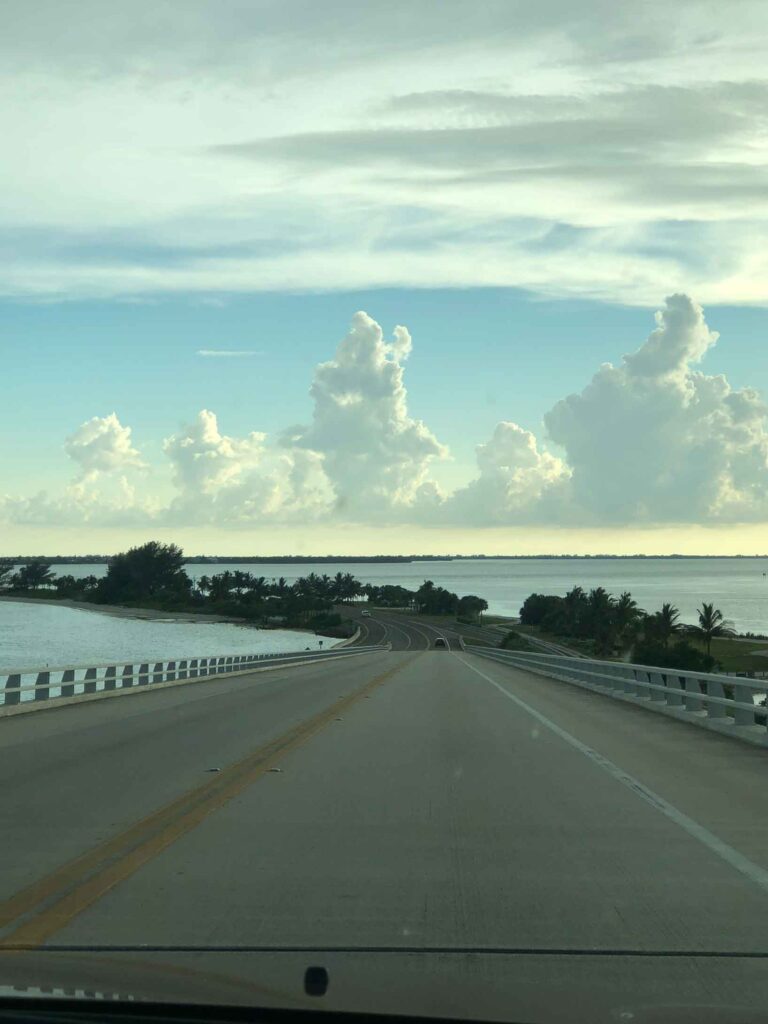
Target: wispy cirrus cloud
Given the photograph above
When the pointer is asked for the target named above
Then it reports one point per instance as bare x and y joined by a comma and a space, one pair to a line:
234, 168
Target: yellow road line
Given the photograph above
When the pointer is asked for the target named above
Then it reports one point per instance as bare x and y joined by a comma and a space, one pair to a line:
71, 889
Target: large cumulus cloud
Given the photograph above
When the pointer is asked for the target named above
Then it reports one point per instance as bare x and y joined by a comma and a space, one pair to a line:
657, 440
515, 479
654, 440
228, 480
375, 454
102, 445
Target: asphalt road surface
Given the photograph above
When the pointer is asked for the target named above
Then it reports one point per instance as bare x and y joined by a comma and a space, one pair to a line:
406, 633
406, 800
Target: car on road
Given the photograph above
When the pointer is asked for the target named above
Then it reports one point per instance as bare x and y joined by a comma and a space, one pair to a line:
440, 641
366, 615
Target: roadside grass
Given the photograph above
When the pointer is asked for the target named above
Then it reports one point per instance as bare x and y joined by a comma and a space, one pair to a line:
736, 655
733, 654
583, 646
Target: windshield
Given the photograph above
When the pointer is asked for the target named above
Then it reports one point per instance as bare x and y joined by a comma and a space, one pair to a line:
383, 505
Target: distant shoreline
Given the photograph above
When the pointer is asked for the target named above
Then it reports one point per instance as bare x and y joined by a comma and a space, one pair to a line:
362, 559
121, 612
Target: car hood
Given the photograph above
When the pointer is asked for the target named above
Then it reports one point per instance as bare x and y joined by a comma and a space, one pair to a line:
462, 985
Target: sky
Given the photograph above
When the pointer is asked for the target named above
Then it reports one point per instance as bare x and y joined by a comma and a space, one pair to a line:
384, 278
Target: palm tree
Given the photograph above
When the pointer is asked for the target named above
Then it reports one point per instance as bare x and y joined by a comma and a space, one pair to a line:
221, 585
33, 575
664, 624
599, 609
575, 602
626, 616
712, 623
241, 581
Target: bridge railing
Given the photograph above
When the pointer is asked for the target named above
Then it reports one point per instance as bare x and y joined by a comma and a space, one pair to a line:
729, 704
19, 686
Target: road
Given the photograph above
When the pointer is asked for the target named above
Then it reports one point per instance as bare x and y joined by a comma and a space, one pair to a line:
405, 633
405, 800
413, 633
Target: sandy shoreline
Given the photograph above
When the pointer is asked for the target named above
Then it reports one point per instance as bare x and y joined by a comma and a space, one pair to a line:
118, 611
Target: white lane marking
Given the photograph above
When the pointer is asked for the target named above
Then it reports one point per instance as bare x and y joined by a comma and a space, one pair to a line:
426, 625
416, 629
391, 627
720, 848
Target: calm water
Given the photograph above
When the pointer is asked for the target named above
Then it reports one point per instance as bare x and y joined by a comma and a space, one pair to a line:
738, 586
36, 636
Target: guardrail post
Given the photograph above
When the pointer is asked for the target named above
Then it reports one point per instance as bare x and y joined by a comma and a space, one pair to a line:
110, 678
228, 664
90, 681
13, 689
660, 680
693, 703
127, 678
144, 674
675, 700
42, 689
743, 716
67, 683
715, 689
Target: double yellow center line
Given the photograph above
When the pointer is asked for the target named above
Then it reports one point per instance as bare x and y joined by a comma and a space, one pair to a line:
49, 904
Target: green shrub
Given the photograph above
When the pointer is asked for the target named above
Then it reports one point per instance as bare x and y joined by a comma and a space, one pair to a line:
681, 655
515, 642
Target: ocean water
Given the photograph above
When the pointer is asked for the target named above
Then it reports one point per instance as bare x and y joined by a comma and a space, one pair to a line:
43, 635
738, 586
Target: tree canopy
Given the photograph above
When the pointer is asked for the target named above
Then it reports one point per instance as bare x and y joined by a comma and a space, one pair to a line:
153, 570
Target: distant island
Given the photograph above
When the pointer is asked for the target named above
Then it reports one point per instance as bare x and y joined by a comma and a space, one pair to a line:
350, 559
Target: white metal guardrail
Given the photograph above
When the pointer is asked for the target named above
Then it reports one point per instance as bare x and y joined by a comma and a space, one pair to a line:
20, 686
727, 704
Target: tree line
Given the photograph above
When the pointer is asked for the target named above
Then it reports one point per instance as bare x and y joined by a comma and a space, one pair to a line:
154, 574
617, 626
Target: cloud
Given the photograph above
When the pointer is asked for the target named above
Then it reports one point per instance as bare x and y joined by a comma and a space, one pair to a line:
240, 481
652, 441
204, 460
227, 353
516, 481
398, 150
102, 445
376, 456
655, 440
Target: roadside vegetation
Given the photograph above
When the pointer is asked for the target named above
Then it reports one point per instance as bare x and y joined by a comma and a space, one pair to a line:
599, 624
589, 622
153, 576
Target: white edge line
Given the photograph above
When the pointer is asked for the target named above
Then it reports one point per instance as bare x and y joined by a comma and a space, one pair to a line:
752, 871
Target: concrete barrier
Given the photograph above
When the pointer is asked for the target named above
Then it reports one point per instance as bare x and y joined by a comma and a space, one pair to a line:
31, 689
721, 703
